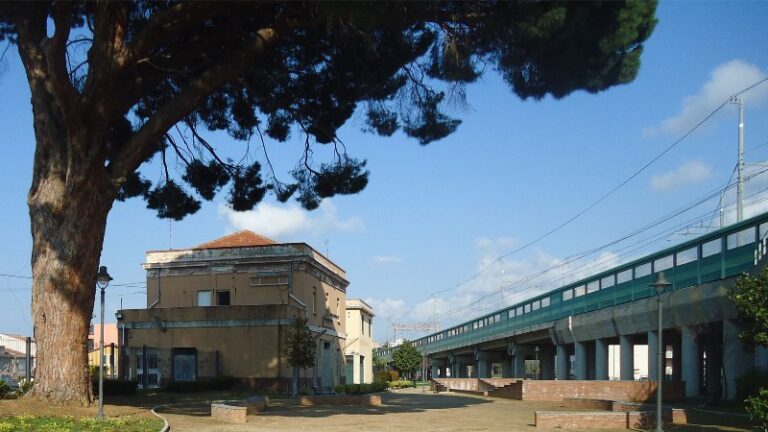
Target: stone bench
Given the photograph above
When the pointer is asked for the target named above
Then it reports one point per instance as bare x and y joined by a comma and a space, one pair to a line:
373, 399
236, 411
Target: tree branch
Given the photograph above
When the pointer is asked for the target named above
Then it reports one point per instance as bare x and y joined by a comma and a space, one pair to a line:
139, 147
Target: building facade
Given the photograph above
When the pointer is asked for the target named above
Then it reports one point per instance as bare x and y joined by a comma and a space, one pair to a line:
223, 307
359, 344
13, 355
111, 351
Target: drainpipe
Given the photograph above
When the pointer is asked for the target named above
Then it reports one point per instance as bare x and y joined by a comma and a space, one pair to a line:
157, 301
290, 289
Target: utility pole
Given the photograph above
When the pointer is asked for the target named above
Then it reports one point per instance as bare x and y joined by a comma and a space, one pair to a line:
737, 100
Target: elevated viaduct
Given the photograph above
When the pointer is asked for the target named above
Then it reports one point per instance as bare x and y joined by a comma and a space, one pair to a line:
568, 331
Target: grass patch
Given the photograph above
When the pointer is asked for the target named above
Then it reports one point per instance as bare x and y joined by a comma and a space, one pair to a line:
67, 424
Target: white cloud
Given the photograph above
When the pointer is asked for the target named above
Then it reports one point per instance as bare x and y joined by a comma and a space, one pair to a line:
383, 260
688, 173
724, 81
289, 221
522, 278
386, 309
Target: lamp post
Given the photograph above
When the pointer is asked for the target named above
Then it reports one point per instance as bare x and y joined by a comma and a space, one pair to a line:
661, 283
102, 280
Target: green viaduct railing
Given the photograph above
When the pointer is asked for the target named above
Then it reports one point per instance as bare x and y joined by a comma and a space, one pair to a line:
717, 255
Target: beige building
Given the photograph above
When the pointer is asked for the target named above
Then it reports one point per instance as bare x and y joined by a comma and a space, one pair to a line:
222, 308
359, 344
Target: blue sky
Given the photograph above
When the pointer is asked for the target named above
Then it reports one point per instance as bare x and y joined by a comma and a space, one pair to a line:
432, 217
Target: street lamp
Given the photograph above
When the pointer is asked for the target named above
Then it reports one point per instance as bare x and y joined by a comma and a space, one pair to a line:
102, 280
661, 283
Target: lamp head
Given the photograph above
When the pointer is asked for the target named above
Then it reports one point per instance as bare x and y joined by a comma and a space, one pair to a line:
661, 283
103, 278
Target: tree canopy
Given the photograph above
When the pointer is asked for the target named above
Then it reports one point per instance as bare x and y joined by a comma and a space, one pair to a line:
406, 358
149, 77
117, 84
750, 295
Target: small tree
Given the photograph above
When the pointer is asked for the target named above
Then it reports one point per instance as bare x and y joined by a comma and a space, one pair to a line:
750, 295
300, 349
406, 358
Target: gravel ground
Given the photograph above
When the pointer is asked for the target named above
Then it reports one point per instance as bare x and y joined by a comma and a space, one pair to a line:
405, 410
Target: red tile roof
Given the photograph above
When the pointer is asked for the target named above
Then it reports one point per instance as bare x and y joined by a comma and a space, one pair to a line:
243, 238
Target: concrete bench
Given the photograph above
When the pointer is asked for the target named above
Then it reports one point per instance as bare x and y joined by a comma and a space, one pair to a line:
236, 411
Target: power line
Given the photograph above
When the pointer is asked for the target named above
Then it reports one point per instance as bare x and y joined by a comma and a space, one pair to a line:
604, 196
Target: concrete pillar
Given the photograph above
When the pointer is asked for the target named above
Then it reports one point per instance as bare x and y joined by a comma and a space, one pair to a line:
483, 365
627, 358
736, 361
653, 349
581, 361
547, 362
562, 360
689, 359
518, 362
601, 359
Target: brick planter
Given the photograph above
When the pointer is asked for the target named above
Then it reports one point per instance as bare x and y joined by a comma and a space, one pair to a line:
236, 411
366, 399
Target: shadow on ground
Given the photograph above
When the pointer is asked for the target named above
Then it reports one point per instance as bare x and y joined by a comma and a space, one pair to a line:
391, 403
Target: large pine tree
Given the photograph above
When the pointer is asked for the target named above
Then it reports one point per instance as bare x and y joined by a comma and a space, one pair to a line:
115, 84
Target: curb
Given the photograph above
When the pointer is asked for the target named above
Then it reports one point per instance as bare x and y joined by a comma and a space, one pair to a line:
166, 427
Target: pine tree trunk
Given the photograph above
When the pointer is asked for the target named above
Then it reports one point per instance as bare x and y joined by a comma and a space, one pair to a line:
69, 200
68, 227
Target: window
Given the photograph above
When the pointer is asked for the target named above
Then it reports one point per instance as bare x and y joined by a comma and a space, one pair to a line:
497, 318
184, 364
686, 256
643, 270
624, 276
519, 311
593, 286
222, 298
567, 294
203, 298
337, 306
545, 302
607, 282
536, 305
511, 313
741, 238
527, 308
579, 291
663, 263
711, 248
763, 230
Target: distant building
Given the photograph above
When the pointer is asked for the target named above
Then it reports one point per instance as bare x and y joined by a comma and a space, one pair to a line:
111, 351
359, 345
222, 308
13, 357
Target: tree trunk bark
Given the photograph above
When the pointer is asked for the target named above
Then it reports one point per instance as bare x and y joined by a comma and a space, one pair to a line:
69, 200
68, 231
